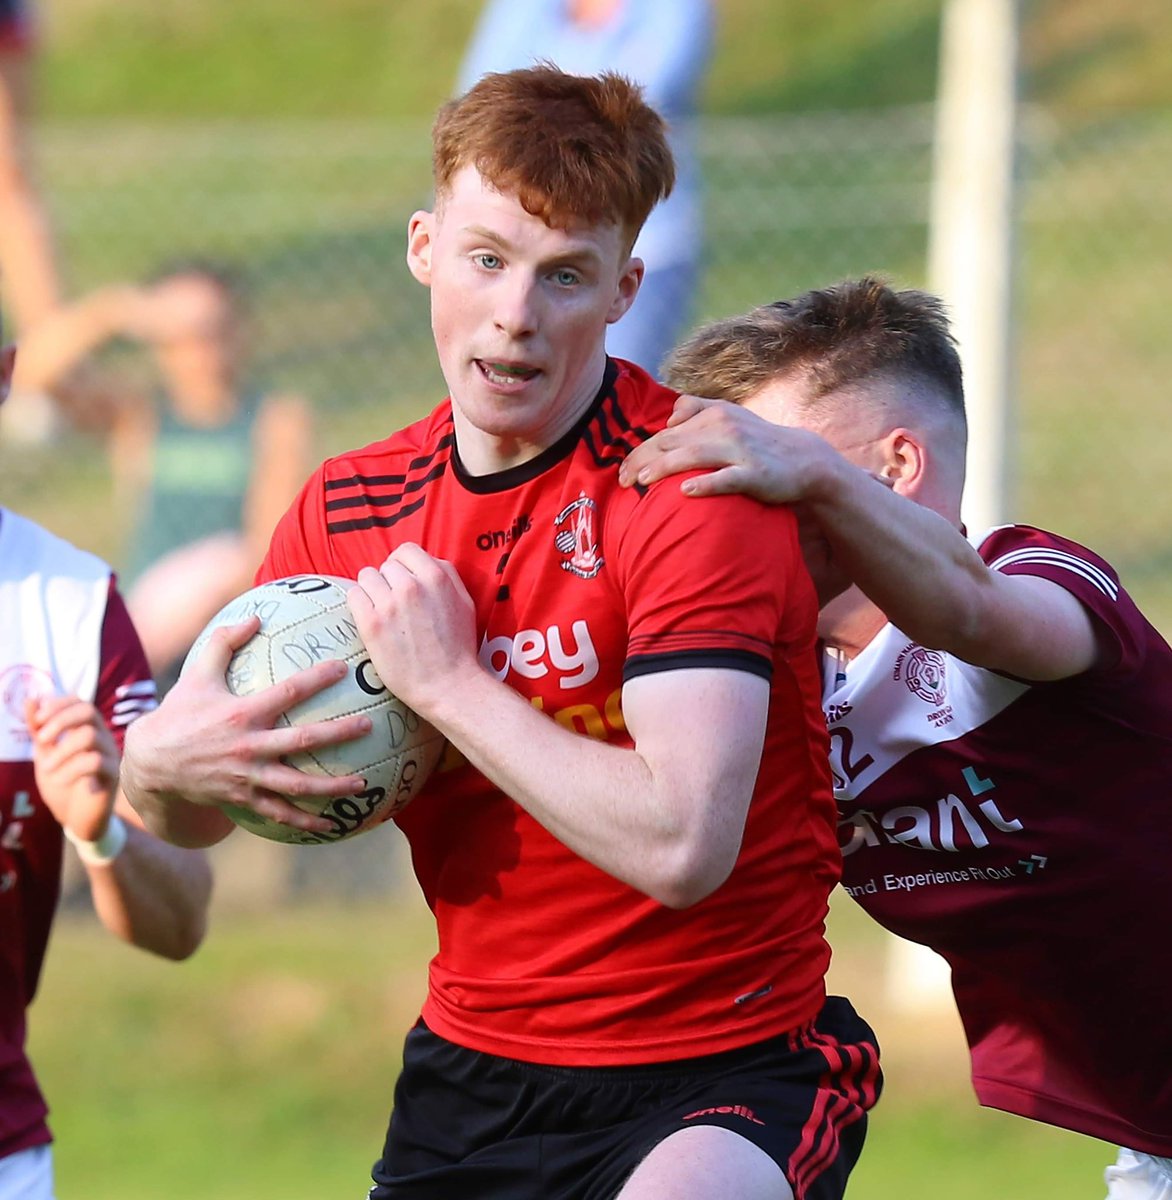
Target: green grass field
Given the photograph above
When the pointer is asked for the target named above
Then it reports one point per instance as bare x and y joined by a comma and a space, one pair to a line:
263, 1068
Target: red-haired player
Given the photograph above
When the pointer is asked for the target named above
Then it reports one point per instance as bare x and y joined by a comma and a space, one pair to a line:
628, 997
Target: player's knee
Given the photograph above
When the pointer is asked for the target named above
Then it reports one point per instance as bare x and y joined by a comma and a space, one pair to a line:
707, 1162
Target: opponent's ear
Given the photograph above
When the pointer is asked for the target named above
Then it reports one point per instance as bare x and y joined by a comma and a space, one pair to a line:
627, 289
420, 239
904, 461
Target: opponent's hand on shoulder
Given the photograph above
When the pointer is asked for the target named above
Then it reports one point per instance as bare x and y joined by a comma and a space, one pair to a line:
75, 761
741, 451
206, 746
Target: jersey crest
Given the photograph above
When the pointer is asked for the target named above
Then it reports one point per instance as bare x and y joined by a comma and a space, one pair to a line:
576, 537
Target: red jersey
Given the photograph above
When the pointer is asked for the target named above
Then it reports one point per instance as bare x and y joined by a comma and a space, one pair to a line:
63, 630
1022, 831
579, 584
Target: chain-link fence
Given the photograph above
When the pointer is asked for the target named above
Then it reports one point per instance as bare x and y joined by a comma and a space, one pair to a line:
314, 214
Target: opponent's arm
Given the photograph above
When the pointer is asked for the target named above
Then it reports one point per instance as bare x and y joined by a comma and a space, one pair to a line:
149, 894
932, 584
912, 563
665, 817
203, 747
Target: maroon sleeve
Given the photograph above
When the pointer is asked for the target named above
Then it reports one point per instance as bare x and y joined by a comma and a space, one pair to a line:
1024, 550
125, 688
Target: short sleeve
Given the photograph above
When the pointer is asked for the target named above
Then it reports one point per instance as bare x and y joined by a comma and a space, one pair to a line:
712, 582
126, 689
1024, 550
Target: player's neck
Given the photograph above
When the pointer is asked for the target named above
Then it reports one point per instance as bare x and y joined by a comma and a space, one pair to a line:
850, 622
487, 450
208, 402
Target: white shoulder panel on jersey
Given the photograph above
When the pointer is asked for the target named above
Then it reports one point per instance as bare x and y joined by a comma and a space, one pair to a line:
897, 697
52, 606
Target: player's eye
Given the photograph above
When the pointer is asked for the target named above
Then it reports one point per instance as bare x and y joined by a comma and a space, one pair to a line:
565, 277
490, 262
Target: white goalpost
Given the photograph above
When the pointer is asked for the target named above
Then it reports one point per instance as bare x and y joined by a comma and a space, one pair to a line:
970, 266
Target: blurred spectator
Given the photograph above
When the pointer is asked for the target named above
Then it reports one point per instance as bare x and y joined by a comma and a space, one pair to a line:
206, 464
664, 45
26, 253
26, 247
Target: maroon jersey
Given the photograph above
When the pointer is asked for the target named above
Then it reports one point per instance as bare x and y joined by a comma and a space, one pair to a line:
17, 32
579, 584
63, 631
1022, 831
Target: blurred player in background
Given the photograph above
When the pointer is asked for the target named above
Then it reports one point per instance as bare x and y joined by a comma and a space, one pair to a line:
72, 678
1000, 711
206, 465
27, 254
629, 994
665, 46
26, 249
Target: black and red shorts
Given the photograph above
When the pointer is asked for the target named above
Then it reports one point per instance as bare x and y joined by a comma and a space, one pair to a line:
471, 1124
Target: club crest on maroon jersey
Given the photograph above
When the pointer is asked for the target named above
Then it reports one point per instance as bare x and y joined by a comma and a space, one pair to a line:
17, 684
575, 536
924, 675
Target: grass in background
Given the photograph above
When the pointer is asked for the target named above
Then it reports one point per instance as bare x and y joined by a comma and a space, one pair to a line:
374, 58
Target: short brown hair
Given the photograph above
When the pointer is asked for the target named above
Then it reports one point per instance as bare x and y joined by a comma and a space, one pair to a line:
570, 147
838, 336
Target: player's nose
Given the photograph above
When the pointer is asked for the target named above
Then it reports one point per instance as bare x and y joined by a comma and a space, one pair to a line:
518, 303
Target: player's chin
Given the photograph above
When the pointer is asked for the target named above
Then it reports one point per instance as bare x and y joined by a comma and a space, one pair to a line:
505, 416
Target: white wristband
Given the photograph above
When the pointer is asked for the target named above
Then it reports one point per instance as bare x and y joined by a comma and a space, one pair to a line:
107, 848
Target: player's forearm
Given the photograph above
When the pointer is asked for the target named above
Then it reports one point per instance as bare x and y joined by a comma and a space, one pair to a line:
908, 560
154, 895
602, 801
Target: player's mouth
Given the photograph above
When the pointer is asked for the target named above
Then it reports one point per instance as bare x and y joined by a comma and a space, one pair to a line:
506, 374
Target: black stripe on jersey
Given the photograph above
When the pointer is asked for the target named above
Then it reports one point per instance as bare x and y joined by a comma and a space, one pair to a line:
383, 501
446, 441
404, 486
383, 522
695, 639
333, 485
610, 446
732, 660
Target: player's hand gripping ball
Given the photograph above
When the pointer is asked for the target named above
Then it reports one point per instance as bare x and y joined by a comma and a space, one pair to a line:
304, 619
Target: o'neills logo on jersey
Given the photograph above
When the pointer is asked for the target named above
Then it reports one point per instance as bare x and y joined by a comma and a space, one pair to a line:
496, 539
17, 684
923, 672
575, 535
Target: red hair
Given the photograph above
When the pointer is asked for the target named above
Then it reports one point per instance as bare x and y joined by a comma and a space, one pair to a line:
570, 147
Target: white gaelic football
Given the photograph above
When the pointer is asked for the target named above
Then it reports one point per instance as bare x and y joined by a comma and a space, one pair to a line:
304, 619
